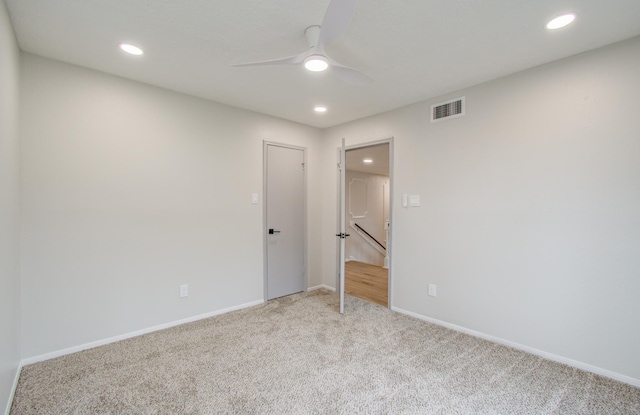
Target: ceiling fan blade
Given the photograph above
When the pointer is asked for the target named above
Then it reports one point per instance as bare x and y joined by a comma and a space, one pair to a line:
336, 20
291, 60
350, 75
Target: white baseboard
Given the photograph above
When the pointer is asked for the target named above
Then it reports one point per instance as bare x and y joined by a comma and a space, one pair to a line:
114, 339
317, 287
569, 362
13, 389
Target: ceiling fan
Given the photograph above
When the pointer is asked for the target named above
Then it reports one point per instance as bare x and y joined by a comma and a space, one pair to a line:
335, 22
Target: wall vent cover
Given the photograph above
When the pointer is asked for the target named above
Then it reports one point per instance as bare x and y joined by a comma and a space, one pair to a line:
445, 110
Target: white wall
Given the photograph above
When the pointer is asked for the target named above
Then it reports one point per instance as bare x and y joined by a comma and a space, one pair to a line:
9, 208
131, 190
530, 217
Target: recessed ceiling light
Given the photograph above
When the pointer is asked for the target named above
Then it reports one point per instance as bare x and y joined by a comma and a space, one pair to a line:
316, 63
131, 49
367, 161
320, 108
561, 21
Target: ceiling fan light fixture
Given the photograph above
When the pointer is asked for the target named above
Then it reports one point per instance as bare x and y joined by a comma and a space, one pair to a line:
316, 63
337, 18
561, 21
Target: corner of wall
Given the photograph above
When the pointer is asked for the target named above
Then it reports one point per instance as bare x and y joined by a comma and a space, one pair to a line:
9, 210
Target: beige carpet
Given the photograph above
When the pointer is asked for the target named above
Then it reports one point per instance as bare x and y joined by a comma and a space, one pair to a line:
297, 355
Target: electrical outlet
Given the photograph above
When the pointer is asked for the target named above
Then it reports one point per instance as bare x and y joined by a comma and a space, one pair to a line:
184, 290
432, 290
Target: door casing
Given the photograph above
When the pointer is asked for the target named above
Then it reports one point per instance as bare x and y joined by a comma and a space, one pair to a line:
391, 217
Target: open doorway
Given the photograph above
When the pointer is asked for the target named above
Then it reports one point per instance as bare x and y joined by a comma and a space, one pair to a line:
368, 222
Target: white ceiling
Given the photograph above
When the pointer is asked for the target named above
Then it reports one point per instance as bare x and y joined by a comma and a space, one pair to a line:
378, 154
413, 49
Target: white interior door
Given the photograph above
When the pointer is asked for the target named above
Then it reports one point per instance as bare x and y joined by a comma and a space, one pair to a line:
342, 235
285, 216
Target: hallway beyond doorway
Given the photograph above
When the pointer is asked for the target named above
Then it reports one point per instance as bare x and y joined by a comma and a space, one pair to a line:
367, 282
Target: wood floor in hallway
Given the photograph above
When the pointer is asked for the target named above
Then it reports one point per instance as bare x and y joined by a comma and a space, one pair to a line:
367, 282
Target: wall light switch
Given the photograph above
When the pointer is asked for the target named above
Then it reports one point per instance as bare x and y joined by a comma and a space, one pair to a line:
254, 198
414, 200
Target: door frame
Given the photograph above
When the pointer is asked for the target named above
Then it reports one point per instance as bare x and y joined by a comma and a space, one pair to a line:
265, 233
388, 141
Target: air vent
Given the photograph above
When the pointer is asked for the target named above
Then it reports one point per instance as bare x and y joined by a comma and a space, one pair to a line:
446, 110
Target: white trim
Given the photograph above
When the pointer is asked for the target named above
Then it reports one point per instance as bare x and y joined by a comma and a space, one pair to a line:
569, 362
13, 389
366, 199
392, 186
114, 339
321, 286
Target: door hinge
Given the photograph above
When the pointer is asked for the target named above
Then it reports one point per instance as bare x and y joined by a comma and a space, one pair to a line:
342, 235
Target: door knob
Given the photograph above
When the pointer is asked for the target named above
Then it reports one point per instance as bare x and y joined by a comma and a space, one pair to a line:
272, 231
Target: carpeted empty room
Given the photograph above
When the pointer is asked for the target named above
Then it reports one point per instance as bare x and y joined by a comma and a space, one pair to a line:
298, 355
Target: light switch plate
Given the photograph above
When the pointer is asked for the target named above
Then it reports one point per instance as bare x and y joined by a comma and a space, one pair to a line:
254, 198
184, 290
414, 200
432, 290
